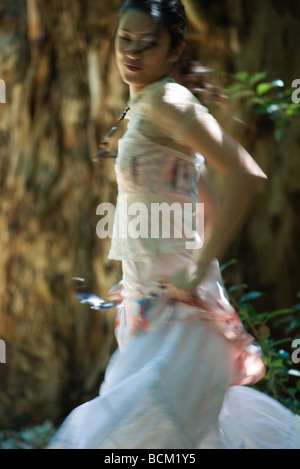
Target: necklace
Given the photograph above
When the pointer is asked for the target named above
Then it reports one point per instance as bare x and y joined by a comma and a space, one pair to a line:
103, 152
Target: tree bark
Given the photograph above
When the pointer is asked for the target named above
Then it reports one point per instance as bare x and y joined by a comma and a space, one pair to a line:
61, 99
63, 93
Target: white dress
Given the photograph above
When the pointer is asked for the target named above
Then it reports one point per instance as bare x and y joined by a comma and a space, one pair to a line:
179, 378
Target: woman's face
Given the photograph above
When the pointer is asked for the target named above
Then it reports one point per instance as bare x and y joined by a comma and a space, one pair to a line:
142, 55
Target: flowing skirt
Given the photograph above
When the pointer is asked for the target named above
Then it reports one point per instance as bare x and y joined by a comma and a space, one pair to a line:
174, 381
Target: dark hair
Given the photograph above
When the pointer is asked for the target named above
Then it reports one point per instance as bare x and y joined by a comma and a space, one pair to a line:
168, 14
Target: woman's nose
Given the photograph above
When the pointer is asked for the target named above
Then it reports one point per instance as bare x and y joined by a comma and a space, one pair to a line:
133, 50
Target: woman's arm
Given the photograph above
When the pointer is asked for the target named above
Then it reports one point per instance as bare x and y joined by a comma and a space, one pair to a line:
181, 116
207, 195
242, 177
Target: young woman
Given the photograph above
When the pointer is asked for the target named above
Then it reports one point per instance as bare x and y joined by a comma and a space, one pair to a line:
175, 380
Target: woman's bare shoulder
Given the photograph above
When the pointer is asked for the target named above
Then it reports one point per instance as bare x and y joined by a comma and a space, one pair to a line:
172, 94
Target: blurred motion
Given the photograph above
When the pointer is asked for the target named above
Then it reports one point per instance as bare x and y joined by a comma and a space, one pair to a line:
62, 95
84, 295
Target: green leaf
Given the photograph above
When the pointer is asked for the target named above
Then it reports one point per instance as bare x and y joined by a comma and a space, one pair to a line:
241, 94
292, 109
281, 341
257, 101
267, 361
263, 88
288, 91
242, 76
237, 287
257, 77
280, 312
251, 296
227, 264
278, 363
236, 87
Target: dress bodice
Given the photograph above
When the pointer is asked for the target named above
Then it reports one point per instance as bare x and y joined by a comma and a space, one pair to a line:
153, 176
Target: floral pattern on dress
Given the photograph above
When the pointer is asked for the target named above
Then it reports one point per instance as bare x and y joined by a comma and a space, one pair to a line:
143, 315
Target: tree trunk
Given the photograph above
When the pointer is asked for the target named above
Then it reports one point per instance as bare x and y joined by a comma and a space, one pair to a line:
61, 97
63, 93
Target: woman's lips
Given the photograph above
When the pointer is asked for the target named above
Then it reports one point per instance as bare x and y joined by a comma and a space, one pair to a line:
133, 68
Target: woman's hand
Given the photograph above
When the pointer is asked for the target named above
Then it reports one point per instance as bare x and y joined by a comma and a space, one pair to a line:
115, 293
182, 285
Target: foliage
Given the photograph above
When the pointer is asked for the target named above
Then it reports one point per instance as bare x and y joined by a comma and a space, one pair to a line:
37, 437
282, 378
270, 98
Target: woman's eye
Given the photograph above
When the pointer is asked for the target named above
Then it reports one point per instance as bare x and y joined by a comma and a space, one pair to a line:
143, 44
150, 44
